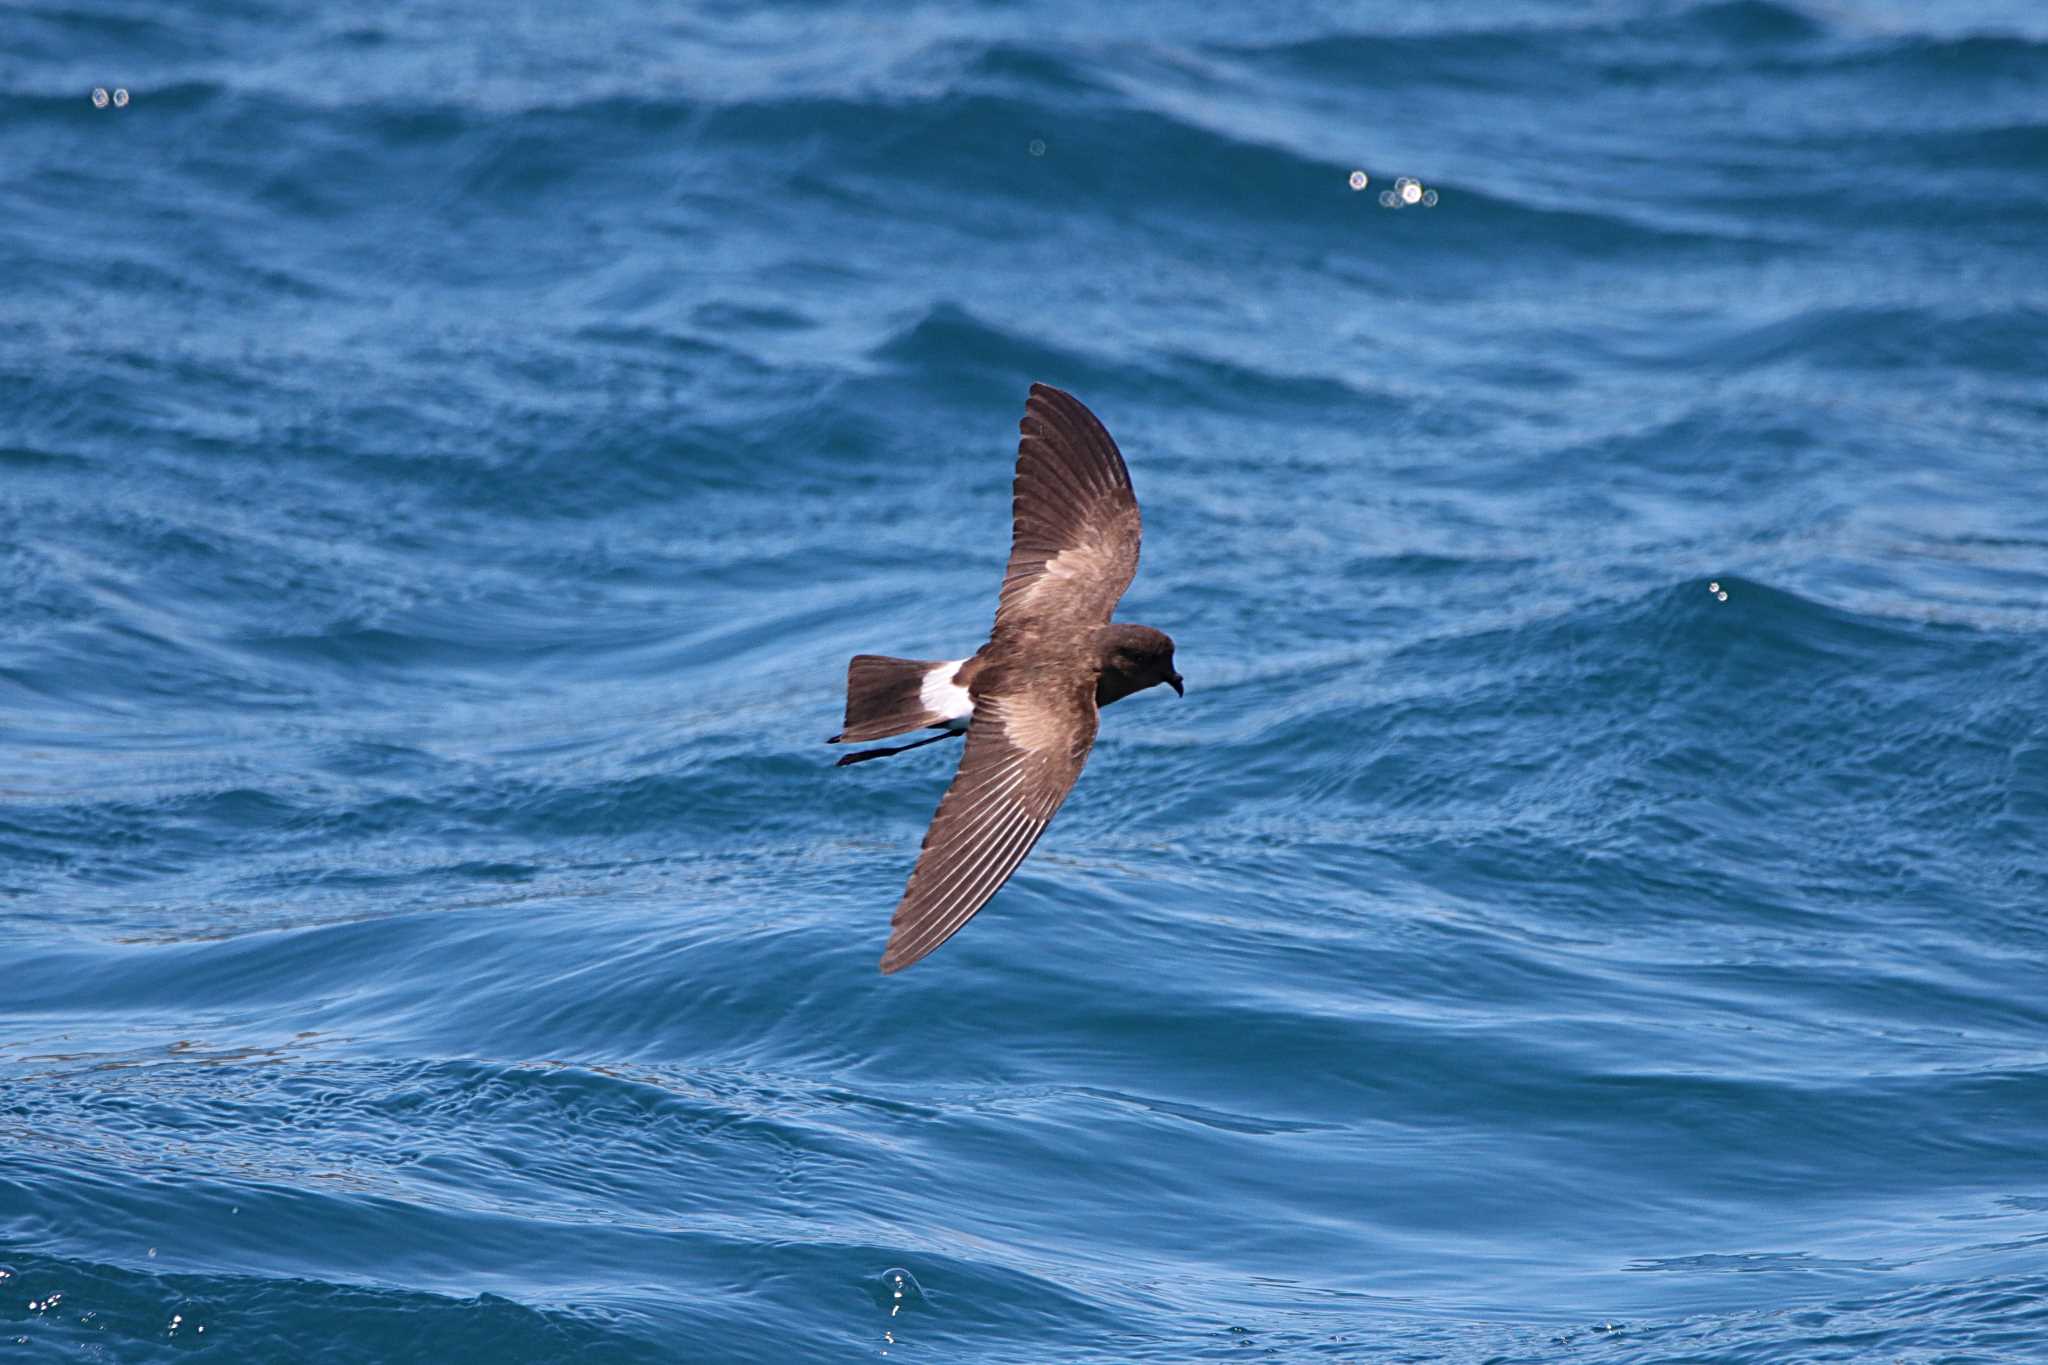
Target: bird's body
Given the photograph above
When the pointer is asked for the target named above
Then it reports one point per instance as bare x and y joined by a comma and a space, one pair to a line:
1026, 700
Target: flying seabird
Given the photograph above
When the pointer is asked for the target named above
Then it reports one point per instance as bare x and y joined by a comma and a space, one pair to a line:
1027, 699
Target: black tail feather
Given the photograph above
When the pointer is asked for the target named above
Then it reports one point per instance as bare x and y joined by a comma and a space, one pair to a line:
885, 697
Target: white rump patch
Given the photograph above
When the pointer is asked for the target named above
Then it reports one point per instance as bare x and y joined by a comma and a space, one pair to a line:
944, 698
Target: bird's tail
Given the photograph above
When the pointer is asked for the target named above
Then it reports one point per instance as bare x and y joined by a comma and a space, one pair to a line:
885, 696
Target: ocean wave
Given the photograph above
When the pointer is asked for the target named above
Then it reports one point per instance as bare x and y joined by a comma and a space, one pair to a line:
1517, 56
151, 1315
961, 141
948, 343
2009, 339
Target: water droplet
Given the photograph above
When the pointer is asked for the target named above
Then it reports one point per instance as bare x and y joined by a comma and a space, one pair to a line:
200, 1328
99, 97
1429, 199
1714, 586
152, 1253
1387, 199
120, 99
900, 1281
1037, 146
1411, 193
1359, 180
1723, 596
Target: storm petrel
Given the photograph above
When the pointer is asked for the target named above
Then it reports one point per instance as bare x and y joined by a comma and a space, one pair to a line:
1027, 699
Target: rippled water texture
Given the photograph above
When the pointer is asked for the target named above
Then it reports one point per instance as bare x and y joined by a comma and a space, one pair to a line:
449, 451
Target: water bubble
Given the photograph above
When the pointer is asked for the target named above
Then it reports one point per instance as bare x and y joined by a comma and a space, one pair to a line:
1723, 596
1714, 586
120, 99
1037, 147
1359, 180
1429, 199
1411, 192
1387, 199
99, 97
152, 1253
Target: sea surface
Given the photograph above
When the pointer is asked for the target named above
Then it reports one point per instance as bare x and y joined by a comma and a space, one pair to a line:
1591, 905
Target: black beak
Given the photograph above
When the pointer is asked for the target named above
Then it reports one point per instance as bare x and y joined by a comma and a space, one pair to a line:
1173, 681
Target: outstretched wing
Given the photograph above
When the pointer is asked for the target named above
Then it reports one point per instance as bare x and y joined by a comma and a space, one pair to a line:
1074, 546
1024, 750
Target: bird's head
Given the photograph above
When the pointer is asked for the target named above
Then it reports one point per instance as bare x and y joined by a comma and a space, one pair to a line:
1134, 658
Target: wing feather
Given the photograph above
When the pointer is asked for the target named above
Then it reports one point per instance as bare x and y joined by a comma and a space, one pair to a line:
1075, 522
1024, 751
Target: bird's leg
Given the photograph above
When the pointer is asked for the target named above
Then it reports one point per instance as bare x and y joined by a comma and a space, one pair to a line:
865, 754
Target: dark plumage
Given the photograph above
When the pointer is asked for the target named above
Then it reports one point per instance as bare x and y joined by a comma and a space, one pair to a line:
1027, 699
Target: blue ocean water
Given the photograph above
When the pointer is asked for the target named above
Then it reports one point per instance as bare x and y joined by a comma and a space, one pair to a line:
448, 452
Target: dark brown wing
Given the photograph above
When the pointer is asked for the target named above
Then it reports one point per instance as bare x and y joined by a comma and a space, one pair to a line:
1024, 750
1074, 546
